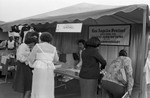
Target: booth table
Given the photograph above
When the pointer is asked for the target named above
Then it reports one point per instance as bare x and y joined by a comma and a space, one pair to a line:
63, 75
67, 82
74, 74
70, 72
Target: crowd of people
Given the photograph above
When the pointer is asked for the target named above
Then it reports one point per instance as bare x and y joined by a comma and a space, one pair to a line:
16, 36
36, 57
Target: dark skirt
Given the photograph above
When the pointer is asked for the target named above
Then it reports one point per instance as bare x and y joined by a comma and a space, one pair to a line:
23, 78
88, 88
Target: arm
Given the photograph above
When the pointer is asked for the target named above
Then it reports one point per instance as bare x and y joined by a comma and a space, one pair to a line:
56, 57
22, 53
129, 71
6, 42
100, 59
3, 44
80, 61
79, 64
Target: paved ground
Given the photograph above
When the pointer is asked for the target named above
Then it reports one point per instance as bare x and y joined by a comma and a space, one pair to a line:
72, 90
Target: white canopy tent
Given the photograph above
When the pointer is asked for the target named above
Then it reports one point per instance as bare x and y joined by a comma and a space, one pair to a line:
126, 14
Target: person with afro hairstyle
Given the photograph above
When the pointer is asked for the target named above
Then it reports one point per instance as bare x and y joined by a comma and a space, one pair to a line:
90, 69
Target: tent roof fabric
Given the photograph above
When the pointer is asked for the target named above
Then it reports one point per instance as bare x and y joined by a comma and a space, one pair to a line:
133, 13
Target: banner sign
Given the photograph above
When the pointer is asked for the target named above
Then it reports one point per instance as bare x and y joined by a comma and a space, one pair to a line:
111, 34
69, 27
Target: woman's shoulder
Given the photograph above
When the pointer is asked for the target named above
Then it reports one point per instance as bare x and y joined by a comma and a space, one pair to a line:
23, 45
46, 45
127, 58
91, 49
116, 61
53, 46
124, 57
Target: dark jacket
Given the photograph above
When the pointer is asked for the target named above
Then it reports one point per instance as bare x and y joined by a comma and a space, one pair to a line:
90, 63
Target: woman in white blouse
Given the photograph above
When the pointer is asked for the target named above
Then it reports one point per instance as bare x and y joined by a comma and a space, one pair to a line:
42, 59
23, 77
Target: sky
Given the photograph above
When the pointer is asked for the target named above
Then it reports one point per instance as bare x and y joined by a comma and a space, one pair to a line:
11, 10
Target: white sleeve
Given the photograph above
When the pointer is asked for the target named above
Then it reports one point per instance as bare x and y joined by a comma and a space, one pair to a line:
80, 62
56, 57
23, 52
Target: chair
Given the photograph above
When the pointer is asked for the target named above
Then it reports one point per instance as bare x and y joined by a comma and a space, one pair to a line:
7, 65
59, 81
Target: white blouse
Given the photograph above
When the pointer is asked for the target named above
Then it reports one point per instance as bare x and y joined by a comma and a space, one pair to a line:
23, 52
43, 55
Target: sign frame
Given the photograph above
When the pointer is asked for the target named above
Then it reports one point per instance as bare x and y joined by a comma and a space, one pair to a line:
69, 28
111, 25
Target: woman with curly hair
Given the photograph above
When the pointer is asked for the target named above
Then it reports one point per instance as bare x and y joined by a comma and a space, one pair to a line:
42, 59
90, 69
23, 76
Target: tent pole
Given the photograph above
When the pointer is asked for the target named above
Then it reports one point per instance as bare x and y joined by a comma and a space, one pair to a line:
142, 82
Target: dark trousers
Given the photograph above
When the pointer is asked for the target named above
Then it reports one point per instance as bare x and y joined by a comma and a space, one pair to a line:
88, 88
114, 90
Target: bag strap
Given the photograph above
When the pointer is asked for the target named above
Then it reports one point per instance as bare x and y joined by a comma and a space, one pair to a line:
40, 49
44, 54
